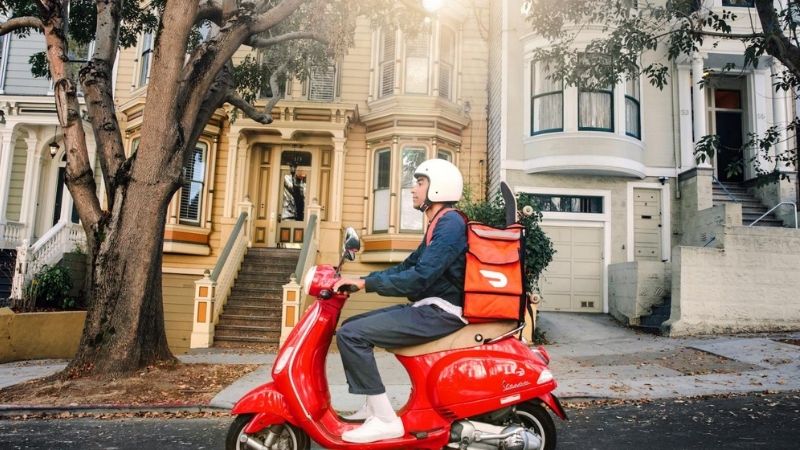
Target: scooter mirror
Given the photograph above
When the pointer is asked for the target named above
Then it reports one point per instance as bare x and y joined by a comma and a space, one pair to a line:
352, 243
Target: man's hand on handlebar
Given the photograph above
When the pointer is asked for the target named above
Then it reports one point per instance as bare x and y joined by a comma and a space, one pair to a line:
348, 284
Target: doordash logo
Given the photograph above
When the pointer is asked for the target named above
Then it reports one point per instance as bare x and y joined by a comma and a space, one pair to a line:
496, 279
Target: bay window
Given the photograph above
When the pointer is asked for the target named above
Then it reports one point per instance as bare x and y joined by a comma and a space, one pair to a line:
422, 70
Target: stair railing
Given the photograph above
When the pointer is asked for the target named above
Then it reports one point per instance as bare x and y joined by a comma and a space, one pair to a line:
11, 234
727, 192
292, 291
212, 291
794, 208
48, 250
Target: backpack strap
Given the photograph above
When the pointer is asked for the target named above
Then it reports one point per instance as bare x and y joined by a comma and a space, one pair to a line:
439, 215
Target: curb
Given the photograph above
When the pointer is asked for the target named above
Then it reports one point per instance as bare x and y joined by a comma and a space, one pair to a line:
7, 411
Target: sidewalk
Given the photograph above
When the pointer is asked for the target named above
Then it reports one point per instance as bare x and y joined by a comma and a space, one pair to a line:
593, 357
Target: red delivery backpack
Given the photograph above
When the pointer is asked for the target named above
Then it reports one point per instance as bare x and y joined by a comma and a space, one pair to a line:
493, 282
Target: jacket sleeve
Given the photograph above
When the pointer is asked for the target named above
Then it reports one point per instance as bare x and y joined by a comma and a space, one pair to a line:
448, 242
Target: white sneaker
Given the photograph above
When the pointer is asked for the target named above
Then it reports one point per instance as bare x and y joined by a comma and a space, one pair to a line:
375, 429
359, 416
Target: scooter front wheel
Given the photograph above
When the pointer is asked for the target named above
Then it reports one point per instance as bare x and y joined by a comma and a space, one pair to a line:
287, 437
534, 416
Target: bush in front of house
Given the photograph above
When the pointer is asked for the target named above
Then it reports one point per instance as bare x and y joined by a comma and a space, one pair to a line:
50, 289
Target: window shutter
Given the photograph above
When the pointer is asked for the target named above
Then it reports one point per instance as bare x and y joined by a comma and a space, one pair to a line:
387, 63
445, 77
322, 84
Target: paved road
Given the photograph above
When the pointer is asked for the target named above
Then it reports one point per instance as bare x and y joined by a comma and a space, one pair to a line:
750, 422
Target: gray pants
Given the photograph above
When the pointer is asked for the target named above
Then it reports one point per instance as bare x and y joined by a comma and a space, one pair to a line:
391, 327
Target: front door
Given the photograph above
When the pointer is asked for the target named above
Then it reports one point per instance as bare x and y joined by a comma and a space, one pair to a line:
725, 112
261, 209
295, 170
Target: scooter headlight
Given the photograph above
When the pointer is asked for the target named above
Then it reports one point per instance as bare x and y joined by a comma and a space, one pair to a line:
308, 279
544, 377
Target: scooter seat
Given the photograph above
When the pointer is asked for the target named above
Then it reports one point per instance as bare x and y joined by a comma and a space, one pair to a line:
466, 337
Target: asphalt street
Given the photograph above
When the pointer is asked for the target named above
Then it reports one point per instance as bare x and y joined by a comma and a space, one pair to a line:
742, 422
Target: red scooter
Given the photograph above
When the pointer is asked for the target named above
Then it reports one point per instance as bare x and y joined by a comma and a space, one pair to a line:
478, 388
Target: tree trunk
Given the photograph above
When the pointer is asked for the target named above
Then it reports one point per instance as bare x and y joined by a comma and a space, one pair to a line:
124, 329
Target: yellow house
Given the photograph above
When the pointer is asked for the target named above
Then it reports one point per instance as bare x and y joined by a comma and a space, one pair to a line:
340, 153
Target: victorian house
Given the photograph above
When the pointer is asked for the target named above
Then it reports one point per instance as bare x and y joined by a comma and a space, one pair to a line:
643, 231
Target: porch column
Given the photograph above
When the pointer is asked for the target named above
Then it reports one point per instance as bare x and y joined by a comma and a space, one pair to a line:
230, 176
30, 191
699, 103
337, 200
6, 161
779, 118
684, 84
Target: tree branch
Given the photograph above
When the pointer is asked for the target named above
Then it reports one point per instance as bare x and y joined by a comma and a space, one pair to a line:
97, 86
275, 15
776, 43
249, 110
259, 42
19, 23
79, 178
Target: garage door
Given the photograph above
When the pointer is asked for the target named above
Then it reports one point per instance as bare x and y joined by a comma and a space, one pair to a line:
574, 279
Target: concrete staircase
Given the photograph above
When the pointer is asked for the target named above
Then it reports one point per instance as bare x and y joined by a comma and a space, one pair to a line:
252, 316
8, 258
658, 315
752, 208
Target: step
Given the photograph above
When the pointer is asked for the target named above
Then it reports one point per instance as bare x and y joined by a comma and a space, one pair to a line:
228, 320
254, 301
273, 251
257, 291
256, 283
226, 341
237, 309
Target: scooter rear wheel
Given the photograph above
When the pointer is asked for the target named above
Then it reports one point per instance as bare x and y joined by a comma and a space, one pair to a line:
291, 438
535, 417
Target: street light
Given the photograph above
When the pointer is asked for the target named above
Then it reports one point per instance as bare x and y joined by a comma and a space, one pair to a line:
432, 5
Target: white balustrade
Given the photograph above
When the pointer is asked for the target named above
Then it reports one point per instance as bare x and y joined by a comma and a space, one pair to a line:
48, 250
11, 234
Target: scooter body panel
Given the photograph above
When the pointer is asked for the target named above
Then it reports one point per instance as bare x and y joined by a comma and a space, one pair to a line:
267, 404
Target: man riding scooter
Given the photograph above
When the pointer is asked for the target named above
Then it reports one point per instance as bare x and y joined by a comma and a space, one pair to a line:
432, 278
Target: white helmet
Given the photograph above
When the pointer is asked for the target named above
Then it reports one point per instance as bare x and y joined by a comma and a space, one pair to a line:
444, 178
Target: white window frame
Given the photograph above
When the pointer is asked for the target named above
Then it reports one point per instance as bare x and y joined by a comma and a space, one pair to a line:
203, 190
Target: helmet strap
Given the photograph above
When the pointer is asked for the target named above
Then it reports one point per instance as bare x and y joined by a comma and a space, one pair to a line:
425, 205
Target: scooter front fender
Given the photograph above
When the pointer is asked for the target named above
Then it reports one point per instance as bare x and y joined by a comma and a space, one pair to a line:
552, 402
268, 405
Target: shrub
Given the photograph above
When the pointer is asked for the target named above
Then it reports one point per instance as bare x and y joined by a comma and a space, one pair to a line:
50, 289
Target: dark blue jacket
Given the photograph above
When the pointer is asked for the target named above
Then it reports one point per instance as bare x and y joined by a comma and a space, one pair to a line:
430, 271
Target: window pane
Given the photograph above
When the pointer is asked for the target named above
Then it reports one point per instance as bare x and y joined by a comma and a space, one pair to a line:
568, 203
727, 98
144, 60
632, 88
445, 155
380, 217
192, 189
382, 168
595, 110
541, 83
632, 121
548, 112
322, 83
417, 50
410, 218
381, 192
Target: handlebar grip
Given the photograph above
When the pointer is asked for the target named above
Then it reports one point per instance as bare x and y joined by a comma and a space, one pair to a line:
348, 288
